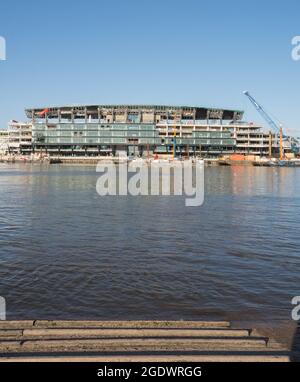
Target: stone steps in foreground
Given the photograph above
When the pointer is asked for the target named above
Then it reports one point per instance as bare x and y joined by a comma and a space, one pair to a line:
112, 341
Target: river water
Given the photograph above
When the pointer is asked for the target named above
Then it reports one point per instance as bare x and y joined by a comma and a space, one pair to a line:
67, 253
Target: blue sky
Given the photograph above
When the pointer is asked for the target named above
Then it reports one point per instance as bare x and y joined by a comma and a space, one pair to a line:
159, 52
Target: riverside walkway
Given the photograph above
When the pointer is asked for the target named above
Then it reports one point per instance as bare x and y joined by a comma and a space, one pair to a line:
140, 341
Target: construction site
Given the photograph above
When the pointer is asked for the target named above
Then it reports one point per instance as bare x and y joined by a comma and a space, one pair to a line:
146, 131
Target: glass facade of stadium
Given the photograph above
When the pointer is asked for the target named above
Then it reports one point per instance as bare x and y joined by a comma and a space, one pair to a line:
137, 130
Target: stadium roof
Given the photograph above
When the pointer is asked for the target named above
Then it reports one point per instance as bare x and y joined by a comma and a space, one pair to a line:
79, 111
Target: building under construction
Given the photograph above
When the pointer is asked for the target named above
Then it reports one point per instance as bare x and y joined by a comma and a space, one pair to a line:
108, 129
94, 130
138, 130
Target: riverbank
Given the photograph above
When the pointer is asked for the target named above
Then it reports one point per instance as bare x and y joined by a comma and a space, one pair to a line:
139, 341
77, 160
89, 160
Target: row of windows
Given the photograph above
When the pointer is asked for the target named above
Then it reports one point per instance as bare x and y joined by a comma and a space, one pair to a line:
210, 134
103, 140
93, 126
117, 127
100, 134
120, 134
158, 141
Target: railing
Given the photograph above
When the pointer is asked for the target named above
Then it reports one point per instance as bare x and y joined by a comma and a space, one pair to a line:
251, 145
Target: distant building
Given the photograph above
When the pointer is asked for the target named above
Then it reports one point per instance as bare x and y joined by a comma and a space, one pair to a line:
19, 137
3, 142
252, 140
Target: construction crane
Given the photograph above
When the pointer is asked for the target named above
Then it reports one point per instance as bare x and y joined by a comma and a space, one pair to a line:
263, 113
277, 129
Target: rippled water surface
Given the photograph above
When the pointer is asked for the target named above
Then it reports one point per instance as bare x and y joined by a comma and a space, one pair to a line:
66, 252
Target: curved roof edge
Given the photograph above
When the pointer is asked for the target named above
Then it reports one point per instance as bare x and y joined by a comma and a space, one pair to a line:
77, 110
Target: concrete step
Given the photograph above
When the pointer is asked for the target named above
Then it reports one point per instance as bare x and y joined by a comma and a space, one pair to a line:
16, 324
112, 324
115, 340
134, 344
150, 358
133, 324
118, 333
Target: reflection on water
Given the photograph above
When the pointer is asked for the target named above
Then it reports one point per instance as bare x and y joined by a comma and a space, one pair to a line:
65, 252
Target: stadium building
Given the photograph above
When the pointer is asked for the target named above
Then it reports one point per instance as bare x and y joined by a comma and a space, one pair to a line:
145, 130
138, 130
